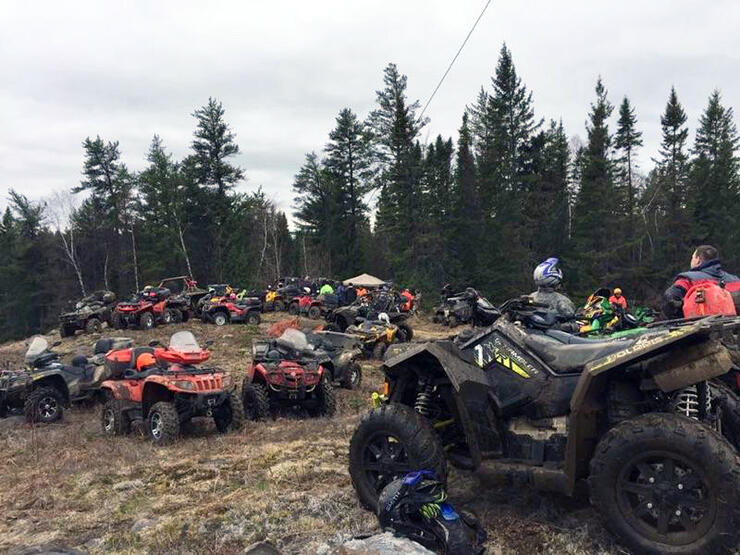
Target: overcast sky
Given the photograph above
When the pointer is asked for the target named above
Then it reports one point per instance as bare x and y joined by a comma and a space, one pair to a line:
283, 70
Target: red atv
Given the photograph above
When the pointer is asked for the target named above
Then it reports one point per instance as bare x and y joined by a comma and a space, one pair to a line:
314, 307
222, 310
287, 373
164, 388
143, 310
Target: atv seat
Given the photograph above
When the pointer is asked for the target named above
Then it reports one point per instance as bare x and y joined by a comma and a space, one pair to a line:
570, 339
571, 358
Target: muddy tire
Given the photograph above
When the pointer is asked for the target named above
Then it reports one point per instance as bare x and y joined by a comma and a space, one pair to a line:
255, 401
379, 350
220, 318
94, 326
230, 415
293, 309
168, 316
331, 327
254, 318
352, 377
452, 321
326, 397
44, 405
163, 423
116, 322
314, 313
388, 443
114, 421
279, 306
66, 331
146, 321
664, 483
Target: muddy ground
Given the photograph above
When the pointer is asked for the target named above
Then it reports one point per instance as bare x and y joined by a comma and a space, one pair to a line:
284, 481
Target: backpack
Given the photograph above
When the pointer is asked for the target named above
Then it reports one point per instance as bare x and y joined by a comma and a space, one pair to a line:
708, 297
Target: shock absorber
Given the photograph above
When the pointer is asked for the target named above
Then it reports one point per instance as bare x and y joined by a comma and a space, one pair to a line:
424, 404
693, 401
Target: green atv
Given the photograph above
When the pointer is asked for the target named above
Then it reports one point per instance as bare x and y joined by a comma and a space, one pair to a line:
46, 386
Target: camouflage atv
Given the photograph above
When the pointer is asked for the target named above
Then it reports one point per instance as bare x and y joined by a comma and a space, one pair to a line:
89, 314
46, 386
642, 420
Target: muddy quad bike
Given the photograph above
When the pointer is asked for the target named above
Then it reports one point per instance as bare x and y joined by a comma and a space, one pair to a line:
222, 310
145, 310
46, 386
466, 307
641, 419
287, 373
284, 296
356, 313
176, 309
375, 336
343, 351
313, 307
169, 394
89, 314
187, 287
599, 317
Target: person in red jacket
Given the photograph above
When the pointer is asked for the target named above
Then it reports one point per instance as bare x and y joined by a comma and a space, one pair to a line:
618, 299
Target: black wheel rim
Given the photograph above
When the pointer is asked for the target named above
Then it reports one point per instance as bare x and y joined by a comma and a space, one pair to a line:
666, 497
384, 459
48, 407
108, 420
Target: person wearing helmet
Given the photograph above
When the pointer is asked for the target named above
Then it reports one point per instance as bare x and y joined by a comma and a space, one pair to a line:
618, 299
145, 361
547, 278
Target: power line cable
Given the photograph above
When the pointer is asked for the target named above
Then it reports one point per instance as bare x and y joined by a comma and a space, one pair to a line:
454, 59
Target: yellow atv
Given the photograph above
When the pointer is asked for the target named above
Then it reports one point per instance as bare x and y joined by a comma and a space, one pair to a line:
375, 335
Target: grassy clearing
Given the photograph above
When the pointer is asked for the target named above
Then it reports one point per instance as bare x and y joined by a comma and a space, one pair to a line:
285, 481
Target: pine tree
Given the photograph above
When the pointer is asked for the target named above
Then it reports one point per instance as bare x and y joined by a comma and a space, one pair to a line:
594, 232
349, 163
713, 200
627, 139
466, 218
395, 127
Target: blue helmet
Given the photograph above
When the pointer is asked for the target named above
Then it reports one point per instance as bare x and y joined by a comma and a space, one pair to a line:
547, 274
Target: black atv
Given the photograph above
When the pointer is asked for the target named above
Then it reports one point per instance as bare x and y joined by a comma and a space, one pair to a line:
89, 314
466, 307
46, 386
359, 312
342, 352
642, 419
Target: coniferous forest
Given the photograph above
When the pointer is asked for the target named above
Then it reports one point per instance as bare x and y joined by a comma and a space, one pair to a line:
480, 209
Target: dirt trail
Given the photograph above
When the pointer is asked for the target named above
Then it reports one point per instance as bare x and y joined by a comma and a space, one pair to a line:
285, 480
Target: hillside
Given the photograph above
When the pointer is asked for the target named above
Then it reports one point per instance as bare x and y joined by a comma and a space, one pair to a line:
285, 480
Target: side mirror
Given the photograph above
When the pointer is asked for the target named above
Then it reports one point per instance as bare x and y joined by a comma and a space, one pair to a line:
208, 343
56, 343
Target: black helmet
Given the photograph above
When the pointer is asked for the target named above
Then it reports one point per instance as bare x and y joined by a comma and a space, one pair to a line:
416, 507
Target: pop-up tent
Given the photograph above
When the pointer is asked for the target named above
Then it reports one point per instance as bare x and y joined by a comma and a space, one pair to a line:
364, 280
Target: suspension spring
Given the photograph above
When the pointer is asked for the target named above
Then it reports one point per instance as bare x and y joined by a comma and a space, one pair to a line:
692, 402
424, 404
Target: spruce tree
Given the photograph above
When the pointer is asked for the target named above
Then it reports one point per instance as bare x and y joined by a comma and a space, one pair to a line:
627, 139
594, 229
349, 162
713, 200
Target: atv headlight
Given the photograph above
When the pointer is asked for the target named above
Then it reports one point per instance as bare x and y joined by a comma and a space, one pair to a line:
184, 384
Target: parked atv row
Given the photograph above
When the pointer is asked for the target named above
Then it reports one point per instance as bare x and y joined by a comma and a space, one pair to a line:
646, 421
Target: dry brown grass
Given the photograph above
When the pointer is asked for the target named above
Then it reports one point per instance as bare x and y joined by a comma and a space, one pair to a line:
285, 481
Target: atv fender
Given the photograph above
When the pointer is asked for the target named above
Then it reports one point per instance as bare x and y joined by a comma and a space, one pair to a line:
469, 382
52, 379
256, 369
677, 359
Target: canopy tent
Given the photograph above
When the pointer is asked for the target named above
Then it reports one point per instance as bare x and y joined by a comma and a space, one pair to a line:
364, 280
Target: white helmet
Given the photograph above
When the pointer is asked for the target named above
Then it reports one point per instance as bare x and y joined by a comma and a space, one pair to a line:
547, 274
383, 317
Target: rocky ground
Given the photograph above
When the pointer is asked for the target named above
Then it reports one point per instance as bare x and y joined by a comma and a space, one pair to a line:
283, 481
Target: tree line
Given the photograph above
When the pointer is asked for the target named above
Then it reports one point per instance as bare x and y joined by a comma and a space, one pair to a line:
481, 209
